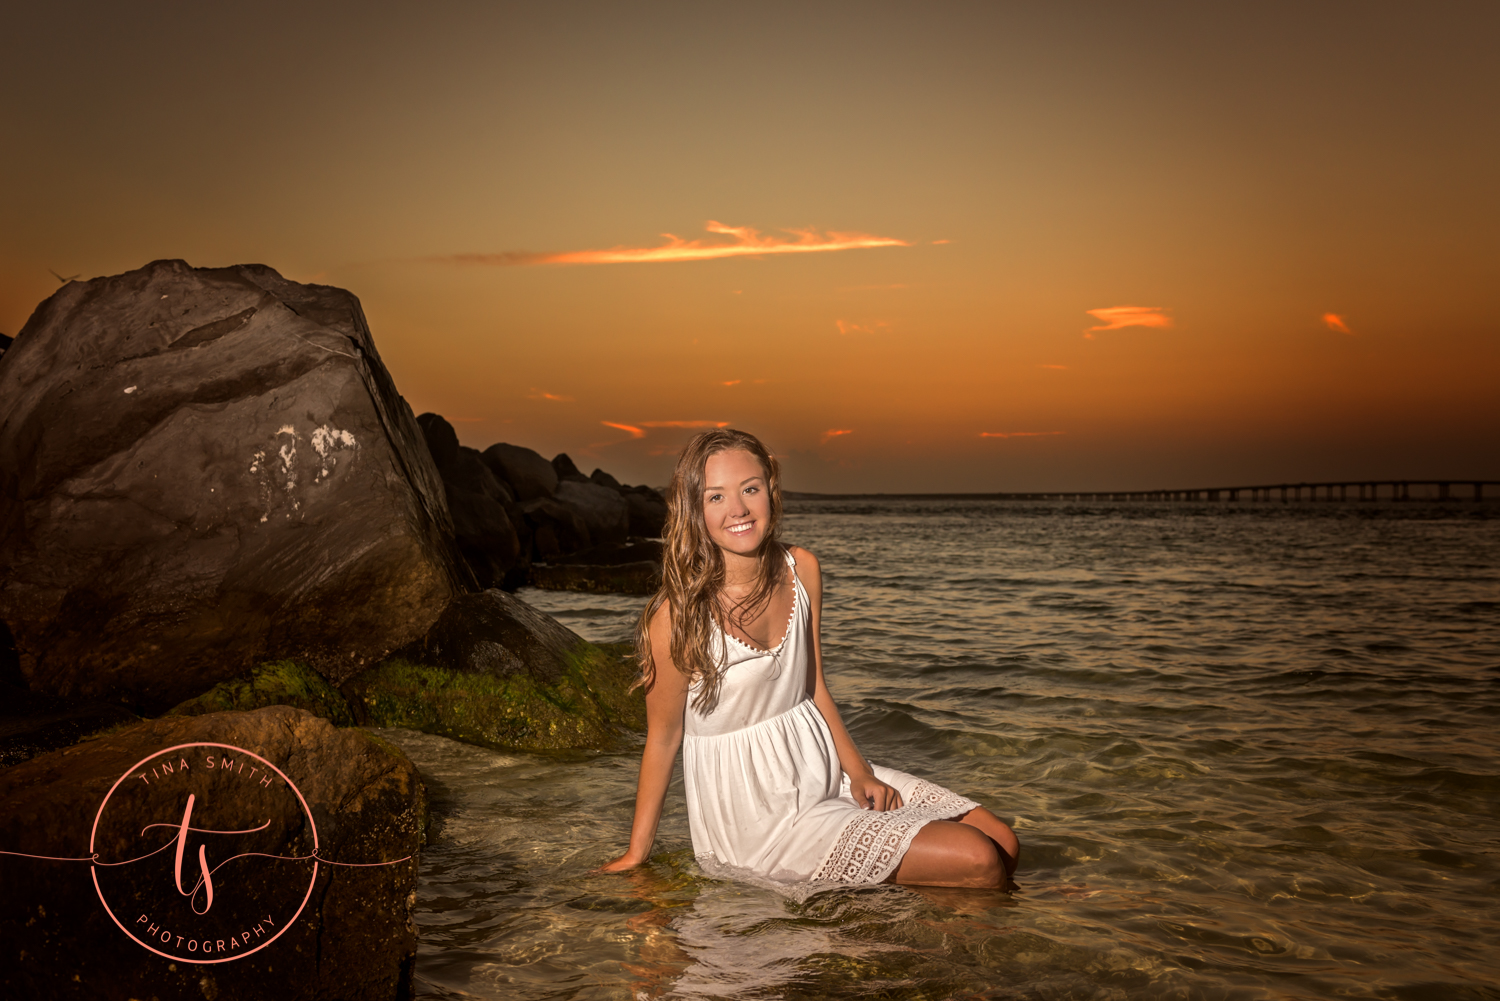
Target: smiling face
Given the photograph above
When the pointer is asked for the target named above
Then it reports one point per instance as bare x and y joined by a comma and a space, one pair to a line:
736, 502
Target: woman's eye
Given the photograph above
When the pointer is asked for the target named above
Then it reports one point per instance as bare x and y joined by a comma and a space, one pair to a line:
714, 498
751, 490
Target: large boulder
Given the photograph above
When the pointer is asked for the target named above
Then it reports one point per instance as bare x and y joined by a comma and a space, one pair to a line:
556, 529
203, 469
529, 475
69, 929
566, 469
484, 511
648, 512
496, 672
604, 511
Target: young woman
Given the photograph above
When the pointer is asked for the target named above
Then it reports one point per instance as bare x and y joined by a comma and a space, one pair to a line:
732, 665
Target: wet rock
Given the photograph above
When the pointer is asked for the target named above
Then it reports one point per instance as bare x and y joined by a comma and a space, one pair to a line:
566, 470
204, 469
604, 511
281, 683
529, 475
648, 512
602, 478
496, 672
641, 550
33, 724
556, 529
643, 577
354, 936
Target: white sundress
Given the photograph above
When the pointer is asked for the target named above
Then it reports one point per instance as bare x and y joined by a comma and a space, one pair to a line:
765, 792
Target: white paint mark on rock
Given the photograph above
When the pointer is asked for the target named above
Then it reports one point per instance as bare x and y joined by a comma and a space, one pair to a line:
325, 440
130, 389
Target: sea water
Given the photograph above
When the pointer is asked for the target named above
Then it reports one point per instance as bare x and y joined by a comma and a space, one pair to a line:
1251, 751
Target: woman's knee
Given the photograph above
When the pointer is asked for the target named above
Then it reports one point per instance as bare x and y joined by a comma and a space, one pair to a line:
980, 861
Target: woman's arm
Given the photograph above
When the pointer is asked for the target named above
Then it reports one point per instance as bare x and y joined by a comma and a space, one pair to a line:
666, 701
867, 790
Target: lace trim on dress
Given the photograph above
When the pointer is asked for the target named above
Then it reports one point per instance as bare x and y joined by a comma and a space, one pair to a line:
872, 844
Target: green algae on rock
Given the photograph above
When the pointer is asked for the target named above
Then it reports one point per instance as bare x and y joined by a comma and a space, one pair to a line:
587, 706
276, 683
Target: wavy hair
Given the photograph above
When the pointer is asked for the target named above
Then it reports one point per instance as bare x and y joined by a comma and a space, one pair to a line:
692, 584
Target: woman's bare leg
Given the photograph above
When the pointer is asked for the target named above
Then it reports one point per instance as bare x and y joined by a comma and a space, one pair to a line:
949, 853
999, 832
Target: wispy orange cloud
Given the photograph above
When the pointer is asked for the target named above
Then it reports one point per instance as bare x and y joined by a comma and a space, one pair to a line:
684, 424
846, 328
730, 382
833, 433
1058, 367
634, 432
537, 394
1017, 434
727, 241
1118, 317
1336, 323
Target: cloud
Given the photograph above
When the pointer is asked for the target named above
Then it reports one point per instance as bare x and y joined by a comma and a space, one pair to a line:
1335, 322
684, 424
847, 327
730, 382
1017, 434
639, 430
1058, 367
1118, 317
537, 394
833, 433
727, 241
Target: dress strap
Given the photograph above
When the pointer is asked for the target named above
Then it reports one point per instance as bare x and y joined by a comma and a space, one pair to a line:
791, 560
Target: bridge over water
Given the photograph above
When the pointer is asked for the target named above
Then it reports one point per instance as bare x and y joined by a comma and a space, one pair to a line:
1338, 490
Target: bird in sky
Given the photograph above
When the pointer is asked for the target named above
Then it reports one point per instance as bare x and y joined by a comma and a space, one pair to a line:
61, 279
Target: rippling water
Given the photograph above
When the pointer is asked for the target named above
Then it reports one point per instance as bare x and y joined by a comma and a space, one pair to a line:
1250, 751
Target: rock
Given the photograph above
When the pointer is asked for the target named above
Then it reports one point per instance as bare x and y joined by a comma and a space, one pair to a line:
556, 529
469, 472
442, 440
32, 724
642, 550
496, 672
602, 478
528, 474
604, 511
643, 577
485, 536
566, 470
648, 512
5, 342
354, 936
202, 470
282, 683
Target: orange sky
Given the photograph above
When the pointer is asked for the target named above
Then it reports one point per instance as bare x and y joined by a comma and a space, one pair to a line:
915, 247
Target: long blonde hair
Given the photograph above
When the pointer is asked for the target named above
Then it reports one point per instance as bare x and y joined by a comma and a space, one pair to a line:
692, 579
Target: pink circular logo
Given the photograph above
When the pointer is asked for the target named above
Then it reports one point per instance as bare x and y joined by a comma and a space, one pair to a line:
204, 853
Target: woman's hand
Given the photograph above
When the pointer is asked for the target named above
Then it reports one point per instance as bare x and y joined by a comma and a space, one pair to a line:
872, 794
620, 864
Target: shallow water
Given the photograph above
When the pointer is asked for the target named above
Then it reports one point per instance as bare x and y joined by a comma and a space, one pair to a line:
1250, 750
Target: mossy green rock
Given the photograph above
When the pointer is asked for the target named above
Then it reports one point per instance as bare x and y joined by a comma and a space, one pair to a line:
587, 707
279, 683
498, 673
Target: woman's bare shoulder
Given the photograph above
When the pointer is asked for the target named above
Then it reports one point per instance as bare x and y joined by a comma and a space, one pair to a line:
808, 567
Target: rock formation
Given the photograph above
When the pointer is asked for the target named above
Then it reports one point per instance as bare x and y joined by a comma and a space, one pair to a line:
354, 936
486, 517
203, 469
496, 672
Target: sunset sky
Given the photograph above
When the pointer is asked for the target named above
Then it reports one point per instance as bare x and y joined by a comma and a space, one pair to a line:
914, 247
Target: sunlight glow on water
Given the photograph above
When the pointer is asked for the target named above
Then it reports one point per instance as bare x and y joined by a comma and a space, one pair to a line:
1250, 752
